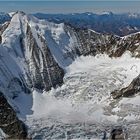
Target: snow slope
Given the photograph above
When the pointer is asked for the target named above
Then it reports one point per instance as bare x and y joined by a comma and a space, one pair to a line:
61, 42
84, 102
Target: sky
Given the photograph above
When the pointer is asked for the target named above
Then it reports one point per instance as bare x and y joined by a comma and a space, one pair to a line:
65, 6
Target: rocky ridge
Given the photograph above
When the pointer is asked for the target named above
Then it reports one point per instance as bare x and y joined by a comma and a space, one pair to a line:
9, 122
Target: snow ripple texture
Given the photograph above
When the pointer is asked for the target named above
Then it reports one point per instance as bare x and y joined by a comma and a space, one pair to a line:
82, 108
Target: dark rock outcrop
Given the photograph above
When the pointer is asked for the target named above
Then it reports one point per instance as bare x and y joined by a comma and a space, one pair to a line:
132, 89
0, 39
2, 29
46, 73
117, 134
93, 43
9, 123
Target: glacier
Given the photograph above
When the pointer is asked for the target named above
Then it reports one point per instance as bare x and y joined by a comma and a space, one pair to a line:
83, 102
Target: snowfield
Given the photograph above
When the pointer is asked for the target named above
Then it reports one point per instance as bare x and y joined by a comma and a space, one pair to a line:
82, 106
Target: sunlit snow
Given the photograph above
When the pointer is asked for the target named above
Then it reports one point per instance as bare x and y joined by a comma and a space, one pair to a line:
84, 98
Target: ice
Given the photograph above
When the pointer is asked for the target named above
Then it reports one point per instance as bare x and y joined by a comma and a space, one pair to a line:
133, 100
85, 96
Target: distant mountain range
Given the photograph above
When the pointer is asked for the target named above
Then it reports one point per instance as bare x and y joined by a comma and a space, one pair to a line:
107, 22
4, 17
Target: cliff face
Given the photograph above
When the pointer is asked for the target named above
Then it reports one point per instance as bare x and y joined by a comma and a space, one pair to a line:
9, 122
93, 43
128, 91
45, 72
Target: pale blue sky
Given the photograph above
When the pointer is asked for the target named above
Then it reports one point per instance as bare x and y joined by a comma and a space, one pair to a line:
65, 6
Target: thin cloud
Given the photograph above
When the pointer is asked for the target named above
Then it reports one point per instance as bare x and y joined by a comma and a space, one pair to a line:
70, 6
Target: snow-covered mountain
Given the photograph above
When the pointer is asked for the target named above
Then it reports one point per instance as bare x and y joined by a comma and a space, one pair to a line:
4, 17
60, 77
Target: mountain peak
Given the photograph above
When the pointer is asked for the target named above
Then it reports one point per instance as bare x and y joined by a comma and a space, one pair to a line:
106, 13
20, 12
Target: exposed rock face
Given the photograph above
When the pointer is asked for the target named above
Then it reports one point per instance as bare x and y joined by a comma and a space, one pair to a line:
2, 29
117, 134
0, 39
94, 43
9, 122
132, 89
128, 43
45, 71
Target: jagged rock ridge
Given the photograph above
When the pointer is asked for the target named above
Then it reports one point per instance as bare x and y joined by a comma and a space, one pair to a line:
128, 91
9, 123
